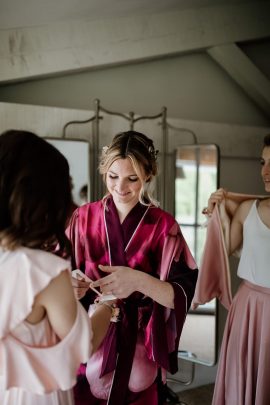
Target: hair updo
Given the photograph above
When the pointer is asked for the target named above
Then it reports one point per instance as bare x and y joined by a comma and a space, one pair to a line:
266, 140
141, 151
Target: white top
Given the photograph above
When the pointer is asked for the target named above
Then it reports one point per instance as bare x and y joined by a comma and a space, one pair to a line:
254, 265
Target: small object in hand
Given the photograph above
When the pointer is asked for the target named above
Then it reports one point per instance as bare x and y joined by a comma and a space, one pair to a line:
108, 297
78, 274
206, 211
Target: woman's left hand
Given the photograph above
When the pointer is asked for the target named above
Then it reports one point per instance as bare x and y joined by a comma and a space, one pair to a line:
121, 281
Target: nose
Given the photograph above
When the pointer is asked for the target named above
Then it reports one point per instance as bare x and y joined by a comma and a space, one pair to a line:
121, 185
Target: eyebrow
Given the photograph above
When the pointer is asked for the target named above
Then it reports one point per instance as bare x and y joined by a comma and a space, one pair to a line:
129, 175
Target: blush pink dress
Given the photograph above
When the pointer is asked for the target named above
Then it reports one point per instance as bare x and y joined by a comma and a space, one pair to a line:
36, 368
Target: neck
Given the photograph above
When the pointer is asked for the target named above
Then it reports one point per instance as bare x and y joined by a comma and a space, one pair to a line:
123, 210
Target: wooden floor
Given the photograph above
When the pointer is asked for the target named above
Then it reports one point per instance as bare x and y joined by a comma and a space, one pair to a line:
196, 396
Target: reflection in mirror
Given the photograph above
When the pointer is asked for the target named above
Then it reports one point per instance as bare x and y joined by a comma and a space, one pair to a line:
197, 172
77, 154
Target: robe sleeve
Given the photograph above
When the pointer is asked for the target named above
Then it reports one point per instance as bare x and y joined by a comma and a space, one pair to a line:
165, 326
74, 233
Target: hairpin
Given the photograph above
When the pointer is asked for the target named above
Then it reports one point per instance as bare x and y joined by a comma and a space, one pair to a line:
153, 152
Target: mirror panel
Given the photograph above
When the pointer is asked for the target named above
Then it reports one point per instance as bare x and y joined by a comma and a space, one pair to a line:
196, 177
77, 153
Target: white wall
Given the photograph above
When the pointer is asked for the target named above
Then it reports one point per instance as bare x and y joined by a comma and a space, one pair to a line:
191, 87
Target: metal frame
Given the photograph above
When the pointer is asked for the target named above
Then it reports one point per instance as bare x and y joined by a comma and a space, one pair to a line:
130, 117
96, 186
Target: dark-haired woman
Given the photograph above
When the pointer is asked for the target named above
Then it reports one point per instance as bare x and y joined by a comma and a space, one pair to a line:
134, 250
42, 326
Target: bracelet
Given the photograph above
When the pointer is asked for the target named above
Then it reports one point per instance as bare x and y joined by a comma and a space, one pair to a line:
115, 311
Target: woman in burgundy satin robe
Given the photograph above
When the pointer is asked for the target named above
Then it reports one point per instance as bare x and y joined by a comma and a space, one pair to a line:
134, 250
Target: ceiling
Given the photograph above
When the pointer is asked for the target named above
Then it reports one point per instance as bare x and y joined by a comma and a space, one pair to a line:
27, 13
39, 38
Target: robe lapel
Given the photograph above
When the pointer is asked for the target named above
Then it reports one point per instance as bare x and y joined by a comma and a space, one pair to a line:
115, 236
120, 236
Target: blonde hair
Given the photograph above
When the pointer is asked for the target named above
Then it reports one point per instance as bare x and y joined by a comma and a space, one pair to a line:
143, 156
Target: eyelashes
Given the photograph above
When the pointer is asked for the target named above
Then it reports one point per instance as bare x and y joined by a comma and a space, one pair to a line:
132, 179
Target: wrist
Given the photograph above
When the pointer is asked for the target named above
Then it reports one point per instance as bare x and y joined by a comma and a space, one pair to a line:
115, 311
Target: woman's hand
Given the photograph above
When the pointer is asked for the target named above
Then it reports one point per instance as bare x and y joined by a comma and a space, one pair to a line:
80, 287
121, 281
215, 198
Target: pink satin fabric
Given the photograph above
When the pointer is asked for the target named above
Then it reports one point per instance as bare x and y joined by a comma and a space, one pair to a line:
214, 280
243, 376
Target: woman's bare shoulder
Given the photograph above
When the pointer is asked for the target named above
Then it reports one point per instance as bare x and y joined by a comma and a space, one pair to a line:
243, 210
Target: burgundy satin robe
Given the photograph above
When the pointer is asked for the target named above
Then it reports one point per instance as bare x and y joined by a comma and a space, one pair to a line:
148, 240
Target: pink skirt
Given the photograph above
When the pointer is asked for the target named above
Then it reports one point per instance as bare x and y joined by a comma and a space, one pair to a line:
243, 376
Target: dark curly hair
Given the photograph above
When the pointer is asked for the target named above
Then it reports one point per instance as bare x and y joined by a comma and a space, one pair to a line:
35, 193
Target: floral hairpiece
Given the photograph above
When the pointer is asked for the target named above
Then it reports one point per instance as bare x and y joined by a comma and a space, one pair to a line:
105, 149
153, 152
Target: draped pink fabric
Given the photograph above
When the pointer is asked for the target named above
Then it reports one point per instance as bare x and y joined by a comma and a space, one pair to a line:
214, 279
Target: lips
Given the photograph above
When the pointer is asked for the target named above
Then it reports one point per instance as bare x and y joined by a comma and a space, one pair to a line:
122, 194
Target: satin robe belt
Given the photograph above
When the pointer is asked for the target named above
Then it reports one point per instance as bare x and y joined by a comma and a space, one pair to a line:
123, 338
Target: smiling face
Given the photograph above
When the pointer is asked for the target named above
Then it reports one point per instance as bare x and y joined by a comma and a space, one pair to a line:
265, 172
123, 183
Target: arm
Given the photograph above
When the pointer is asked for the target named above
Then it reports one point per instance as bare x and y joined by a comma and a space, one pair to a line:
58, 300
80, 287
236, 231
160, 291
237, 218
100, 322
123, 281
